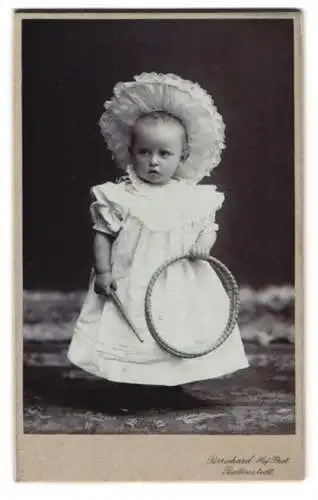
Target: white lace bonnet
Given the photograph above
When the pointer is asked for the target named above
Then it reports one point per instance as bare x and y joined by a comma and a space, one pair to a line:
182, 98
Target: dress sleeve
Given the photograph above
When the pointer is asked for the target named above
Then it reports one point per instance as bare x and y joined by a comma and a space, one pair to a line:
208, 228
107, 214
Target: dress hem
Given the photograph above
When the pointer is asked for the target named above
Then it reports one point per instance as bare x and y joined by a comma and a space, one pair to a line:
187, 371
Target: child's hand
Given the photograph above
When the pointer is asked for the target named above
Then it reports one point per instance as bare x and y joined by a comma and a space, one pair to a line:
192, 255
105, 283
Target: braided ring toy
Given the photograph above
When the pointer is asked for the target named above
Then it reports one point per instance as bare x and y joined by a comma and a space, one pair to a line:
230, 286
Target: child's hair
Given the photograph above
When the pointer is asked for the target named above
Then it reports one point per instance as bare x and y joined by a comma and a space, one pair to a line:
162, 117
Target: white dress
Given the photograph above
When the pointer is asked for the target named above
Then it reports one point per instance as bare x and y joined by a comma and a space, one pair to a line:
152, 224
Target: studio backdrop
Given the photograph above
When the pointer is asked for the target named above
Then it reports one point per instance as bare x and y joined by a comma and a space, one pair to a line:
69, 69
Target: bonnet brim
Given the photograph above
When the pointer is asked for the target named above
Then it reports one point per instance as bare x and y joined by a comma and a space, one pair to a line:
182, 98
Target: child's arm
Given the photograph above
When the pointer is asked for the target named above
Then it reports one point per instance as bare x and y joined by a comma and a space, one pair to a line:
209, 228
104, 281
205, 239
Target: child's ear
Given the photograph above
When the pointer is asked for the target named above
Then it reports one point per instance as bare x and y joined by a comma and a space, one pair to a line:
185, 154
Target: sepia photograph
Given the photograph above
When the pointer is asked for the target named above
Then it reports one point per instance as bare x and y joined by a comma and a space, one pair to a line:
158, 225
85, 371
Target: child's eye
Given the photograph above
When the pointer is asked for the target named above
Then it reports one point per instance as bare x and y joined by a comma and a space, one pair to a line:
142, 151
165, 153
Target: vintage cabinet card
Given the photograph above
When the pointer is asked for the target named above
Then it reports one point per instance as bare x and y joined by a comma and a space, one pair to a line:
158, 194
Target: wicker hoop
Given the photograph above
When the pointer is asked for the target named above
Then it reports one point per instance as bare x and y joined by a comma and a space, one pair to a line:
230, 286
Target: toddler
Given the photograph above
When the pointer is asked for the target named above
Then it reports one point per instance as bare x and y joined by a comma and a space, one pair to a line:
166, 134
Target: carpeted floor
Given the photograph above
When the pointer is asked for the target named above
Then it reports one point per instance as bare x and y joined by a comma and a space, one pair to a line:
59, 398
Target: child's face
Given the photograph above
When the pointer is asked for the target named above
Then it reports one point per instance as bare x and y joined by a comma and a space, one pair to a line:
157, 150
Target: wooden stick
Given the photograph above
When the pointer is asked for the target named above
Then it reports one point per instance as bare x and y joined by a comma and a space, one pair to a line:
122, 309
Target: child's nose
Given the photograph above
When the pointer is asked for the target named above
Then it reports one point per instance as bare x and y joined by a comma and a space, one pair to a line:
154, 160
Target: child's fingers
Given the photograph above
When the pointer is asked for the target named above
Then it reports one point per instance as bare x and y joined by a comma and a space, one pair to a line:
107, 290
113, 285
192, 255
105, 286
102, 290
